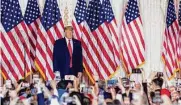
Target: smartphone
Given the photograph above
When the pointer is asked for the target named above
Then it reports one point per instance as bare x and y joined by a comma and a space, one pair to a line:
125, 82
25, 85
112, 82
136, 70
36, 80
69, 77
159, 74
132, 84
157, 98
8, 84
87, 90
57, 76
33, 91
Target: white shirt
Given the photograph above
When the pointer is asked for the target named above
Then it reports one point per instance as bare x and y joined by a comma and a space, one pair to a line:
71, 42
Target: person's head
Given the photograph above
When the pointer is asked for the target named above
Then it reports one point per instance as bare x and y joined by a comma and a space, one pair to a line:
157, 83
68, 32
116, 102
78, 97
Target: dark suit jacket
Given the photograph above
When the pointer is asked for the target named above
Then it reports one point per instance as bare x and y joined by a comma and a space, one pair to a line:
61, 57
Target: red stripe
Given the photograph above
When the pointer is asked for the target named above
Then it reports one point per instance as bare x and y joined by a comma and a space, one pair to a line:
57, 31
44, 56
136, 43
103, 51
75, 30
130, 45
24, 27
125, 63
36, 22
12, 54
41, 67
61, 22
88, 53
117, 40
88, 68
168, 66
50, 36
170, 36
125, 47
141, 38
23, 40
43, 39
98, 55
102, 47
5, 73
11, 69
139, 33
92, 62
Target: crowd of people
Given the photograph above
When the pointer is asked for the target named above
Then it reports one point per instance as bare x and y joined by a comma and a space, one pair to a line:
119, 91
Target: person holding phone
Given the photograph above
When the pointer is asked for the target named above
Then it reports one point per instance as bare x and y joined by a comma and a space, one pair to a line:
67, 55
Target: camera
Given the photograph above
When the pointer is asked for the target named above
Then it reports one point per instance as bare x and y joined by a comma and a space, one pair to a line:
112, 82
69, 77
157, 98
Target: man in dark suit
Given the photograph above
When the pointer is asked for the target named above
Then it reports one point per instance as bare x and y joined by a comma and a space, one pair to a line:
67, 55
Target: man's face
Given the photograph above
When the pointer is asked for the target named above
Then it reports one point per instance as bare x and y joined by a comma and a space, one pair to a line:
68, 33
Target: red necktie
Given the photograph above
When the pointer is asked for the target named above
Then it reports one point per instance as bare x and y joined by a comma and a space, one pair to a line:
70, 52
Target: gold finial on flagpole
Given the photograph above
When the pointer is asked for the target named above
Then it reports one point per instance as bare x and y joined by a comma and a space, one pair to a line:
66, 16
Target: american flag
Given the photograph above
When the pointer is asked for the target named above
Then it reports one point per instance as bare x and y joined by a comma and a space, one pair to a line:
97, 42
132, 38
79, 18
170, 46
111, 24
32, 19
50, 29
14, 42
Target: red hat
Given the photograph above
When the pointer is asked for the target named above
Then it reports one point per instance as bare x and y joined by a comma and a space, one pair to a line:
165, 92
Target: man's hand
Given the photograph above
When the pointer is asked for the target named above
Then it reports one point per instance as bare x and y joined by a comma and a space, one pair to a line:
79, 75
76, 83
53, 84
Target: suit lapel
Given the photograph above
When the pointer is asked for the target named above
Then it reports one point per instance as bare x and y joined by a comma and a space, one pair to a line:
66, 47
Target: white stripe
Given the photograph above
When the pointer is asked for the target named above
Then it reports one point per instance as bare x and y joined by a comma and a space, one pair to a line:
8, 70
11, 45
54, 34
11, 60
31, 36
76, 28
89, 63
99, 51
91, 50
127, 44
170, 33
60, 28
25, 36
133, 42
110, 55
138, 40
115, 39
